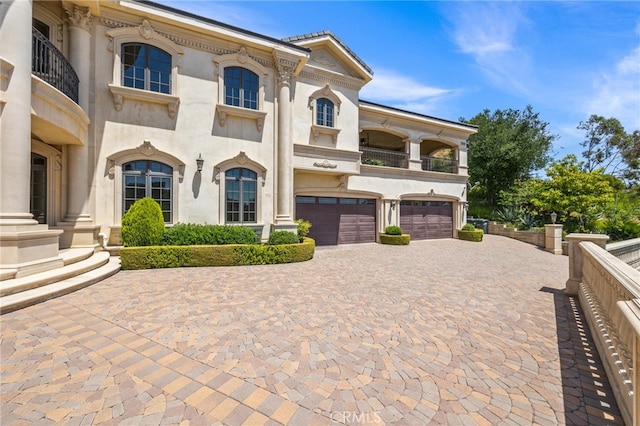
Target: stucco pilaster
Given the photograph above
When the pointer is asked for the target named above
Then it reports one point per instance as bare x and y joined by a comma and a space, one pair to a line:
284, 146
576, 259
414, 154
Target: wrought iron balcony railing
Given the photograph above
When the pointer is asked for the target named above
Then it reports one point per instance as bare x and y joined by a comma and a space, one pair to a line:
435, 164
384, 157
50, 65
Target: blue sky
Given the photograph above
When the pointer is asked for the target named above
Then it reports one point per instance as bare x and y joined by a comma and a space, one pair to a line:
454, 59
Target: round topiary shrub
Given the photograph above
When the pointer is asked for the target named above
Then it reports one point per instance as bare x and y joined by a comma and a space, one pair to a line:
393, 230
283, 237
142, 224
468, 227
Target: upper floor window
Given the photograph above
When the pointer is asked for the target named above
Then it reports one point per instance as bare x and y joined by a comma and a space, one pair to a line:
146, 67
241, 187
241, 87
324, 112
144, 178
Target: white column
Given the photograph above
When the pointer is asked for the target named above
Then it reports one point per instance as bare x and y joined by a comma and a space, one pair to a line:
15, 124
78, 162
284, 147
78, 224
26, 247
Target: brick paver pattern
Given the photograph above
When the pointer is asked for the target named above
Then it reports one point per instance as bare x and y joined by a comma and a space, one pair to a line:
437, 332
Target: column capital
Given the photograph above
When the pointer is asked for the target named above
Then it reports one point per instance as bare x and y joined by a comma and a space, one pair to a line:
79, 17
286, 67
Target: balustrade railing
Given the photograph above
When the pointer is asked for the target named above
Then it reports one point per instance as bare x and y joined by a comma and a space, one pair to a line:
384, 157
435, 164
50, 65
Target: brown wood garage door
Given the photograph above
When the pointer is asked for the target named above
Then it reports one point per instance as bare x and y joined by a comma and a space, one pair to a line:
426, 219
338, 220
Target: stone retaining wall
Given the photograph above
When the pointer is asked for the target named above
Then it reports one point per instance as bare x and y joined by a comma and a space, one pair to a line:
536, 238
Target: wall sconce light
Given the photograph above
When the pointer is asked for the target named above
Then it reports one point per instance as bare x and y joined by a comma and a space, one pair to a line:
554, 216
199, 162
393, 204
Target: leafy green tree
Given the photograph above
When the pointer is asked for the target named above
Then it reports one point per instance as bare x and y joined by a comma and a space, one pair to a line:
579, 197
509, 146
607, 145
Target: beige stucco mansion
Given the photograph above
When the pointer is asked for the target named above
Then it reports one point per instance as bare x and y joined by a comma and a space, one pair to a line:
105, 102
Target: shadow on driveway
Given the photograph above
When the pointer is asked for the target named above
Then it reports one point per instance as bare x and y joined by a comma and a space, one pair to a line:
588, 398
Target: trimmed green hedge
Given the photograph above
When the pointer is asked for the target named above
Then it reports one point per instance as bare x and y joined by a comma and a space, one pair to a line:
475, 235
396, 240
191, 234
151, 257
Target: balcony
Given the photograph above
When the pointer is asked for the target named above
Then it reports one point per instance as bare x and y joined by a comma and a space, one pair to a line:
50, 65
435, 164
384, 157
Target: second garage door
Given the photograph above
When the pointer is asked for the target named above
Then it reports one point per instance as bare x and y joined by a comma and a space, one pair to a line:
426, 219
338, 220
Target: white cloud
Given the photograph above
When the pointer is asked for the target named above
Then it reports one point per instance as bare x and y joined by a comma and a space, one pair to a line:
617, 92
488, 32
403, 92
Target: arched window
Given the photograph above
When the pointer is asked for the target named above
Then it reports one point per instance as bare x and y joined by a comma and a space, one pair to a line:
146, 67
241, 87
241, 195
144, 178
324, 112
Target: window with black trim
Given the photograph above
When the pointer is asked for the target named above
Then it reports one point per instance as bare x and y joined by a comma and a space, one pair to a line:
145, 178
324, 112
146, 67
241, 187
241, 87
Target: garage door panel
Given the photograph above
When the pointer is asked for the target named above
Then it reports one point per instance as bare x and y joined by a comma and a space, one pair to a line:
338, 220
426, 219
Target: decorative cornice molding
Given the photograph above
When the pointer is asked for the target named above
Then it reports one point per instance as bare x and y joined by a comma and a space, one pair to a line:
332, 80
194, 42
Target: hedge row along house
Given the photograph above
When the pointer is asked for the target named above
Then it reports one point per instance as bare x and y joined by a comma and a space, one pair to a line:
105, 102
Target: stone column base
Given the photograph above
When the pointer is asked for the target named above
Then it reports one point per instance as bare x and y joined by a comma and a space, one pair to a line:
77, 234
28, 249
291, 227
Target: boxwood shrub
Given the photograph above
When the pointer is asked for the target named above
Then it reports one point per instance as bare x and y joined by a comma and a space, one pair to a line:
283, 237
142, 224
474, 235
214, 255
396, 240
186, 234
393, 230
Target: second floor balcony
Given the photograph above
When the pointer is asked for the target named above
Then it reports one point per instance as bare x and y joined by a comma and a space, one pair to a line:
50, 65
390, 158
384, 157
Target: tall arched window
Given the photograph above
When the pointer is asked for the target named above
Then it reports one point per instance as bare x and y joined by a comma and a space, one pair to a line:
241, 195
324, 112
146, 67
241, 87
145, 178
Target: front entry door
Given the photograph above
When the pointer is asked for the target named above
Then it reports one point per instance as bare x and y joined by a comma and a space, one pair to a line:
38, 196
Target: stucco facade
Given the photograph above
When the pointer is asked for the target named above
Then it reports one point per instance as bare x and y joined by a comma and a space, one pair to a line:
75, 153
